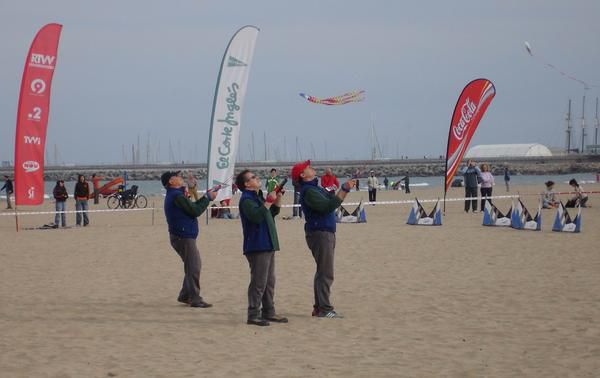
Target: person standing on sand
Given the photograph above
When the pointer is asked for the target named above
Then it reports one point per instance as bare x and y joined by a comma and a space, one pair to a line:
182, 217
471, 176
487, 183
96, 185
319, 212
507, 179
260, 243
60, 195
82, 194
372, 184
8, 186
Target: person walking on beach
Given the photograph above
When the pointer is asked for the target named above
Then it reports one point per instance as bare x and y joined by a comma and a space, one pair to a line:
471, 177
372, 184
487, 182
60, 195
329, 182
507, 179
82, 194
272, 181
8, 186
260, 243
319, 211
182, 218
386, 182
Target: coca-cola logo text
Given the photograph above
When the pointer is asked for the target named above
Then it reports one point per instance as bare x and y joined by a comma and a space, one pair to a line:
466, 114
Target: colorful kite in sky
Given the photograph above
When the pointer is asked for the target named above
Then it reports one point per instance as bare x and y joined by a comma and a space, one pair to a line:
346, 98
553, 67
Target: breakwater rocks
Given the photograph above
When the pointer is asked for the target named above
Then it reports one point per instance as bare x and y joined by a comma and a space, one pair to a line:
345, 168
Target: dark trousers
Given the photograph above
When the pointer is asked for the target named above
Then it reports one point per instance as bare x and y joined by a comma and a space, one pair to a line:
322, 246
372, 195
471, 192
262, 284
406, 188
188, 251
485, 192
297, 211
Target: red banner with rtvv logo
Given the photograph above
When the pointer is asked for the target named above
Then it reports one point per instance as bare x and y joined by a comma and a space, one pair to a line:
469, 110
32, 116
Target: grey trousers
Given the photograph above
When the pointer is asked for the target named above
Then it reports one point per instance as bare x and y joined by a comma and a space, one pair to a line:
188, 251
262, 284
322, 246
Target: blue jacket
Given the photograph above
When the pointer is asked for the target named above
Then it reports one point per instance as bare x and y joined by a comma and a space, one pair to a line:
180, 224
315, 220
258, 228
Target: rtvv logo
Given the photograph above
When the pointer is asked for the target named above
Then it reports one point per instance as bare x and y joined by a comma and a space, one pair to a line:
31, 166
38, 86
42, 61
32, 139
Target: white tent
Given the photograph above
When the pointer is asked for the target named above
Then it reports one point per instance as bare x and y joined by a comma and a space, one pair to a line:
507, 150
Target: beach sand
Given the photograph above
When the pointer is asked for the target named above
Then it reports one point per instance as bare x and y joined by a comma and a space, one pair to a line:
460, 300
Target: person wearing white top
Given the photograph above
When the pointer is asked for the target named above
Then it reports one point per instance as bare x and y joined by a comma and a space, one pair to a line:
373, 184
487, 181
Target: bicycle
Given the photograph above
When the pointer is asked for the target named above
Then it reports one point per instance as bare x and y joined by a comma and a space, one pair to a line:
127, 199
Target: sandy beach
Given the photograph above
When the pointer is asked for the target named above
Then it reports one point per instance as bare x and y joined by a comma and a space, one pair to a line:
460, 300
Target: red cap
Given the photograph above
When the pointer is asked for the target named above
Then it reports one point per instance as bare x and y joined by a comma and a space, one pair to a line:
299, 168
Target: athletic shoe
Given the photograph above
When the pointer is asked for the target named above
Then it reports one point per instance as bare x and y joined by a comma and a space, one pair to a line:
315, 311
258, 322
329, 314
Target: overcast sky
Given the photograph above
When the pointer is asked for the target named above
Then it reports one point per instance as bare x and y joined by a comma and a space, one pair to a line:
149, 68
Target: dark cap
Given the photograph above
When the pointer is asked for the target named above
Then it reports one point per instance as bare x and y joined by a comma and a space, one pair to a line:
167, 176
549, 183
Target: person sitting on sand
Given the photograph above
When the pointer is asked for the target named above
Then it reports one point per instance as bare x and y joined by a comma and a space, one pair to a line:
580, 198
549, 200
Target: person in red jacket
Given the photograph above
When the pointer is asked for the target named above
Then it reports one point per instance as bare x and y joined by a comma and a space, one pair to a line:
329, 182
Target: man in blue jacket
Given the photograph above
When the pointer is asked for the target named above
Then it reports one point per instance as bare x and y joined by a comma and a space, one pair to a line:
260, 243
182, 216
319, 214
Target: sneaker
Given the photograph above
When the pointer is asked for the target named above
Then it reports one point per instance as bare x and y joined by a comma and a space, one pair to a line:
276, 319
200, 304
329, 314
315, 311
258, 322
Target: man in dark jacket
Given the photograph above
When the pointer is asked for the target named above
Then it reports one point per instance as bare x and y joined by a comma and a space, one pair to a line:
182, 217
8, 185
260, 243
82, 194
60, 195
319, 213
471, 175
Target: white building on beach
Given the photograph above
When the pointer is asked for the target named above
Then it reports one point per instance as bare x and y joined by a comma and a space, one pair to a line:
507, 150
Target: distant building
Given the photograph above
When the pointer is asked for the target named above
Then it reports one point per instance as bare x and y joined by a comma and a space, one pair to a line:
507, 150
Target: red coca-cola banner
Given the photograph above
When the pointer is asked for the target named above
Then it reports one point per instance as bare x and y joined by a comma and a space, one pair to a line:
470, 107
32, 116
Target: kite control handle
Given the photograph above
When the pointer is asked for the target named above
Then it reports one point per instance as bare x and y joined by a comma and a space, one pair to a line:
279, 187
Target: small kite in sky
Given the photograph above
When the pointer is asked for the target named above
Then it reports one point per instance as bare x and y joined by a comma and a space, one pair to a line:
553, 67
346, 98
